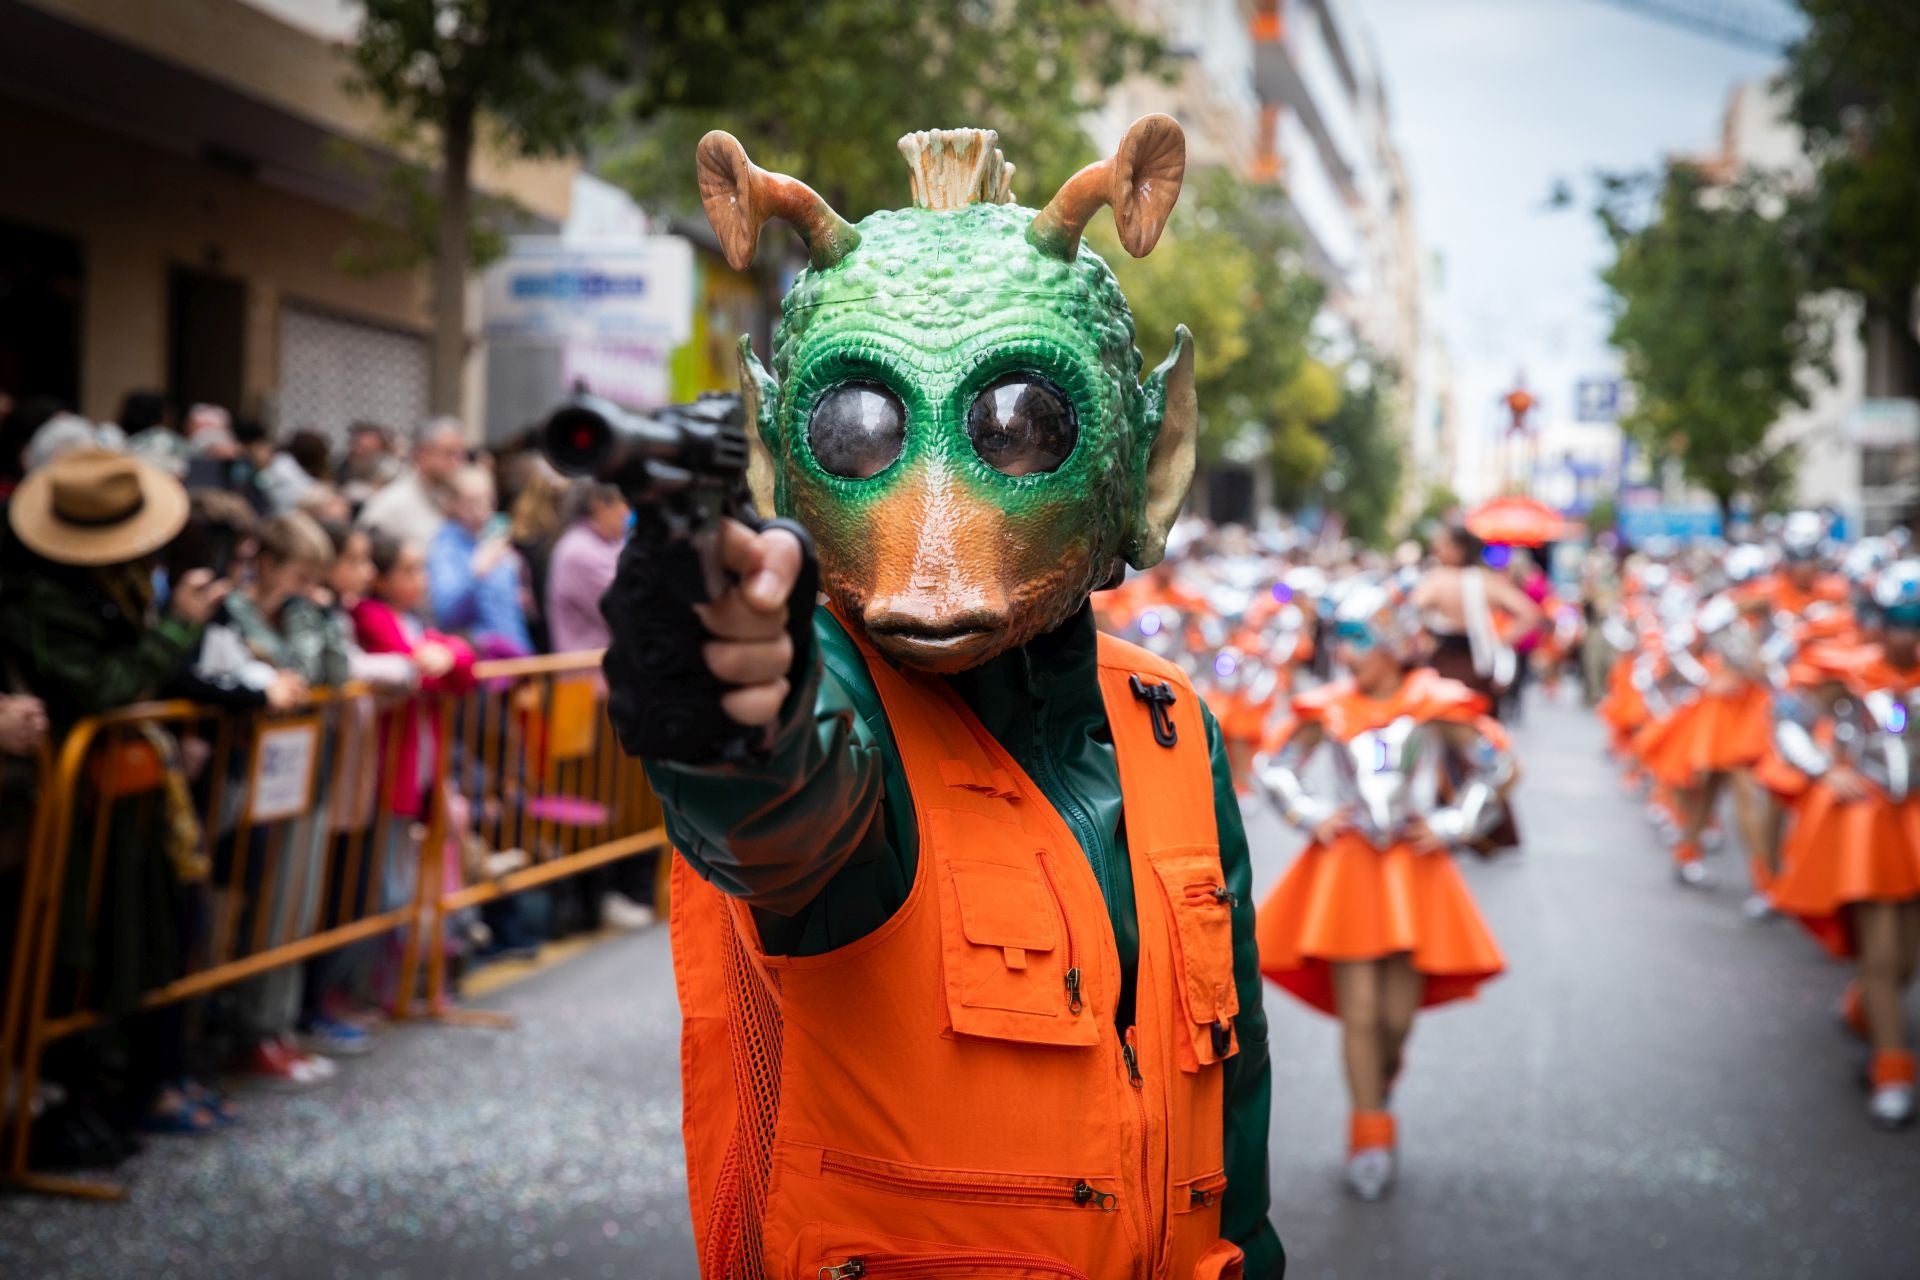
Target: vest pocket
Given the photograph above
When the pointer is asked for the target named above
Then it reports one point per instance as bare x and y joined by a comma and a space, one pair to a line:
972, 1186
1194, 1215
1224, 1261
1007, 941
1201, 908
827, 1252
1191, 1195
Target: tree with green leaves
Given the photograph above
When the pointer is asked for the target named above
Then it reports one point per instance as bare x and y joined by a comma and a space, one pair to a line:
822, 89
1855, 81
1365, 454
519, 74
1714, 309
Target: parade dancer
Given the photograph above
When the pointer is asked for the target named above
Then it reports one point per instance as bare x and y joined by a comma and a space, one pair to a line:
1373, 921
1798, 605
1718, 731
1852, 863
961, 916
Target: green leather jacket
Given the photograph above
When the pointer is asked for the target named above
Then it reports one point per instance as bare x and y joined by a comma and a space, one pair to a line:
820, 839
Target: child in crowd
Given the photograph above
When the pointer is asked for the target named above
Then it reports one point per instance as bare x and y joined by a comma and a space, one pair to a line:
388, 622
275, 631
338, 990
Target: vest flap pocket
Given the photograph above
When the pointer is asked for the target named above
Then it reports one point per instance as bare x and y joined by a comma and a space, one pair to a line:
1005, 907
1006, 946
1201, 909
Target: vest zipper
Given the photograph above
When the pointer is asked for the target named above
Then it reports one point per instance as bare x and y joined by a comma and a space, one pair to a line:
1204, 889
1066, 919
882, 1265
1080, 1192
1130, 1053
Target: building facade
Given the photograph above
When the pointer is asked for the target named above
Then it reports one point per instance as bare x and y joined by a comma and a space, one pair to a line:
182, 178
1857, 449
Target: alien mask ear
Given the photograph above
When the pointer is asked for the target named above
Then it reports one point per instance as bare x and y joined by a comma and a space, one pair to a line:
740, 196
1141, 181
1172, 403
759, 394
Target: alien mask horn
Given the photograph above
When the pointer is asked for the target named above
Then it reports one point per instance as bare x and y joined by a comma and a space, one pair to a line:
740, 196
1141, 181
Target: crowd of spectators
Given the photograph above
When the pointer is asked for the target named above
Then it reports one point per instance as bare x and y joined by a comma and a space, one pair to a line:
198, 556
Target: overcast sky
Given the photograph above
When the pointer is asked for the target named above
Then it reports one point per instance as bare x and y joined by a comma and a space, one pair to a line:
1492, 101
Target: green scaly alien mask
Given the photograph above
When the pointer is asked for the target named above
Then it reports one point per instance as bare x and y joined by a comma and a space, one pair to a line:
955, 410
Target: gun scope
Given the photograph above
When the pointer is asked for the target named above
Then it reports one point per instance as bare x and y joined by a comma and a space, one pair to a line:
591, 436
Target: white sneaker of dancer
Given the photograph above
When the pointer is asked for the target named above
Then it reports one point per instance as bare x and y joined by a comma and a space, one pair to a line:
1370, 1172
1891, 1106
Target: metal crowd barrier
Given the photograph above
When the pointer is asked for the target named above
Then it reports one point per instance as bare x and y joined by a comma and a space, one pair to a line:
297, 845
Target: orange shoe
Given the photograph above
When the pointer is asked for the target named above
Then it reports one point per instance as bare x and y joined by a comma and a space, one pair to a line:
1370, 1161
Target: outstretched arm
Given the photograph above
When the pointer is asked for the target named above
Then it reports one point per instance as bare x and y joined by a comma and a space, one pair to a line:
1278, 772
1480, 799
774, 825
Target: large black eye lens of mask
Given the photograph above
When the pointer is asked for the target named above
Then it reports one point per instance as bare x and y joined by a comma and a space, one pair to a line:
1022, 425
857, 430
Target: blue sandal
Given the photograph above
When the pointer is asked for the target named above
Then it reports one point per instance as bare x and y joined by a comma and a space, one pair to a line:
210, 1098
185, 1118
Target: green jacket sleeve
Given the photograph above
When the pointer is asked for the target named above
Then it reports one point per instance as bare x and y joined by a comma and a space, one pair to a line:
1249, 1073
775, 832
76, 665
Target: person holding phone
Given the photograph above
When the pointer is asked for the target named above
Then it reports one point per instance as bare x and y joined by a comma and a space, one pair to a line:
473, 572
85, 630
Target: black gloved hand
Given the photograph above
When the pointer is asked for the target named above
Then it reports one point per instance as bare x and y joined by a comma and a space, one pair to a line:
663, 702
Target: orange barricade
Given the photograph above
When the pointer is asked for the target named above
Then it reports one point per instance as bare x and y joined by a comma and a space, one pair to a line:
284, 824
536, 764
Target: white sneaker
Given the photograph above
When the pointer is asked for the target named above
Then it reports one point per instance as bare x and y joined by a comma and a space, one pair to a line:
506, 862
1692, 874
1891, 1106
1758, 908
1370, 1172
622, 912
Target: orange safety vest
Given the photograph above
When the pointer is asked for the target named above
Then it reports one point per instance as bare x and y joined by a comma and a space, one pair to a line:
949, 1096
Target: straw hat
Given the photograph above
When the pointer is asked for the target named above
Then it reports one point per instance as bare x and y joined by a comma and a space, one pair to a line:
91, 507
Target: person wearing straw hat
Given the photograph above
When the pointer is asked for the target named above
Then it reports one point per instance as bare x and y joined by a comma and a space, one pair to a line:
81, 629
81, 623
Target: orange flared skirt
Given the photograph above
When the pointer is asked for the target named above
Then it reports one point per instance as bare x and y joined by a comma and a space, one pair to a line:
1712, 734
1772, 771
1844, 853
1623, 708
1350, 901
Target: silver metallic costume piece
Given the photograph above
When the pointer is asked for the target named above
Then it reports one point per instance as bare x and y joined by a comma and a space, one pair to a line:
1384, 778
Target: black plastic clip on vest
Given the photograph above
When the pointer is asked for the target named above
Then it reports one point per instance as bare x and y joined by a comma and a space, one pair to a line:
1158, 696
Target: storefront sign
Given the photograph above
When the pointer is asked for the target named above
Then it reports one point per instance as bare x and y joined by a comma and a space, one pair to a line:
636, 291
1885, 424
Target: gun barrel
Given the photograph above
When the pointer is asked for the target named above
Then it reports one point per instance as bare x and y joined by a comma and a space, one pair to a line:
589, 436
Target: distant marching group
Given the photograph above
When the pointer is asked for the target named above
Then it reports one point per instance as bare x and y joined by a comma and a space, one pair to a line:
1783, 671
1787, 672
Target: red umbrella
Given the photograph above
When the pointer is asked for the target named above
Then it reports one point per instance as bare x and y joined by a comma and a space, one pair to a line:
1520, 522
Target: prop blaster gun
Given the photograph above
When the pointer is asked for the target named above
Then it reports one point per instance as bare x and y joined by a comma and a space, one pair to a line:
683, 470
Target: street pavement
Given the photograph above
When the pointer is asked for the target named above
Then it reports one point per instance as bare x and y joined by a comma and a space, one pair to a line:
1656, 1089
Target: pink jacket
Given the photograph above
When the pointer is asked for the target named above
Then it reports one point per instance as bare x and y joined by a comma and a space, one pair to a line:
381, 628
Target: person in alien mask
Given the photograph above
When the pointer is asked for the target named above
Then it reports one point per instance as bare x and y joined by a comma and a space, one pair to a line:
965, 948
